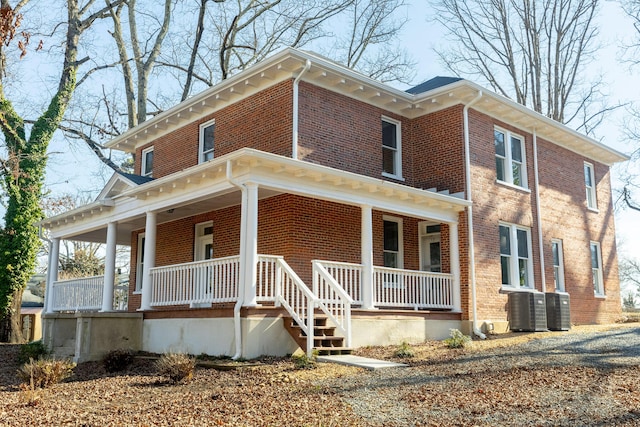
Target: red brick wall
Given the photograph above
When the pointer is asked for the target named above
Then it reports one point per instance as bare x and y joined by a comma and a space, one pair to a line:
262, 121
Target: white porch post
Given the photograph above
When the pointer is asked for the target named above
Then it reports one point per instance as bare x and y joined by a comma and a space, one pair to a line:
109, 267
454, 265
149, 259
52, 272
366, 256
251, 245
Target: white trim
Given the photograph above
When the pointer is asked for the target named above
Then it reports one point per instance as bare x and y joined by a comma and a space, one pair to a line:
143, 162
514, 265
509, 160
400, 252
560, 285
591, 193
137, 287
201, 152
397, 158
598, 290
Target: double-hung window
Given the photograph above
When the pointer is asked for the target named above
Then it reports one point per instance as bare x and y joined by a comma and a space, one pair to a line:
206, 145
511, 165
392, 242
146, 166
596, 269
558, 265
515, 256
589, 183
391, 148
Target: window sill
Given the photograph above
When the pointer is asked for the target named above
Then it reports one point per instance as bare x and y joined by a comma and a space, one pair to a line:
600, 296
515, 187
506, 289
396, 177
594, 210
136, 293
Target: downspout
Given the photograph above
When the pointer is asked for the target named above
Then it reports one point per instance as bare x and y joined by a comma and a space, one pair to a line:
543, 282
472, 262
236, 308
294, 138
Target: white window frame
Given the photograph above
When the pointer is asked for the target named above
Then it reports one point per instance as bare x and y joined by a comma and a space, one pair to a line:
400, 251
596, 271
508, 160
201, 240
591, 196
397, 158
514, 261
143, 162
139, 264
558, 265
201, 153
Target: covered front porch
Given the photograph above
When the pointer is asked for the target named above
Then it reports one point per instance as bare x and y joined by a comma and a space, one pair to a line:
249, 185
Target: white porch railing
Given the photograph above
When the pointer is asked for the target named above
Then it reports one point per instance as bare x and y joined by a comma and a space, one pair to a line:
193, 283
408, 288
333, 300
78, 294
347, 275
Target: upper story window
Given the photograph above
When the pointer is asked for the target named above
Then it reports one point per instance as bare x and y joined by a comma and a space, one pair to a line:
596, 269
146, 167
511, 165
206, 145
515, 256
558, 265
391, 148
589, 183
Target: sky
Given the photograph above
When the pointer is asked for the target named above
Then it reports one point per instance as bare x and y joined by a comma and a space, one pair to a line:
79, 172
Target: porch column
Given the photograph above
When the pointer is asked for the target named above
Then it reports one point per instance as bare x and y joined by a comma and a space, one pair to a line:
251, 245
366, 256
454, 265
52, 273
149, 259
109, 267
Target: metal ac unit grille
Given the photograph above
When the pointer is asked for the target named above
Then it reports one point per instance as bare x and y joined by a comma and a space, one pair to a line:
527, 311
558, 312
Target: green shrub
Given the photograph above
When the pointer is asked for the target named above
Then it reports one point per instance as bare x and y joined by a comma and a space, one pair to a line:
457, 339
404, 351
45, 372
33, 350
177, 367
302, 361
118, 360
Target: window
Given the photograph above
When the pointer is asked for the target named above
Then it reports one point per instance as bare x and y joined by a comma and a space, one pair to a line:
146, 168
515, 256
206, 145
140, 263
596, 269
510, 158
589, 183
558, 265
391, 149
203, 243
430, 247
393, 242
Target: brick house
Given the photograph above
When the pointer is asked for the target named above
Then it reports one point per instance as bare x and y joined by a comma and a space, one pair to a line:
299, 203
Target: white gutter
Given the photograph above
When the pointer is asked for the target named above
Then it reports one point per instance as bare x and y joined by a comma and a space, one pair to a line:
241, 279
538, 214
467, 172
294, 139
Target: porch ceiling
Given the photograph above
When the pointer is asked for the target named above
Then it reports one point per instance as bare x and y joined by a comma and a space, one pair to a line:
215, 185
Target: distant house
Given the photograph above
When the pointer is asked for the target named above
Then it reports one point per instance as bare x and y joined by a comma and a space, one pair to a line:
299, 203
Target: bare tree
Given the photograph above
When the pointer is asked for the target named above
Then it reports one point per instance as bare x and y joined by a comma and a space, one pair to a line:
533, 51
22, 171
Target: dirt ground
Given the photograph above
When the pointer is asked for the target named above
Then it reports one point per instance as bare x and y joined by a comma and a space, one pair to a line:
587, 376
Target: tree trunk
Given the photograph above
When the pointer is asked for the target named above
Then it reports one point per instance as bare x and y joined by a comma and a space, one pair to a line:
10, 325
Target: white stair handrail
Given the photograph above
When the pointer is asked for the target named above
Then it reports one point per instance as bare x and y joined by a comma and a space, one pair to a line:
333, 300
